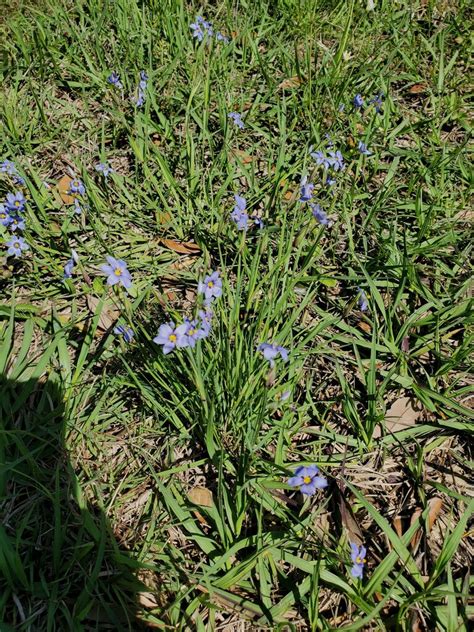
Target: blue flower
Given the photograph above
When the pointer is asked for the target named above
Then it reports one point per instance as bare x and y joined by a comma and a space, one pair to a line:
258, 221
358, 101
329, 139
336, 160
197, 30
211, 287
330, 181
9, 167
5, 218
222, 38
362, 147
114, 79
68, 268
319, 157
142, 86
126, 332
307, 189
362, 300
15, 202
200, 28
271, 351
239, 214
117, 272
76, 187
307, 479
237, 119
104, 169
319, 214
358, 559
16, 246
170, 336
377, 101
194, 332
77, 207
16, 223
206, 321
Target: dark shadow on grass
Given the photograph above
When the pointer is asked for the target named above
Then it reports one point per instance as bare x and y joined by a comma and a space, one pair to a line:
60, 566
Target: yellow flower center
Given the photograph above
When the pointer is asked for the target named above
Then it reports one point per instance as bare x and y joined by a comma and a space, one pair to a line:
359, 560
210, 284
17, 244
172, 338
191, 332
17, 203
118, 272
307, 480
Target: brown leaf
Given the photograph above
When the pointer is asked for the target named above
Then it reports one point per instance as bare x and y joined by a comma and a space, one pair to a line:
418, 88
435, 506
242, 156
397, 525
348, 520
108, 315
367, 327
183, 247
291, 82
351, 141
147, 600
402, 414
201, 496
63, 189
164, 218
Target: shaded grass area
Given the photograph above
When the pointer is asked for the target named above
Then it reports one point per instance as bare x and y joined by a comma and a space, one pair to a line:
141, 488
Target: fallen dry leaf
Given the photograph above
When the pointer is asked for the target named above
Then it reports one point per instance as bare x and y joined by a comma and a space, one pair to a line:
435, 505
242, 156
291, 82
397, 525
201, 496
348, 520
183, 247
108, 315
402, 414
63, 189
147, 600
367, 327
418, 88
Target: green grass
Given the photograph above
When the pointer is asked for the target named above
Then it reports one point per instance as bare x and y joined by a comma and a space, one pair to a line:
104, 445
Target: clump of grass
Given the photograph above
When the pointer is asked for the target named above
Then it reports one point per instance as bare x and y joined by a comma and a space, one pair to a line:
141, 488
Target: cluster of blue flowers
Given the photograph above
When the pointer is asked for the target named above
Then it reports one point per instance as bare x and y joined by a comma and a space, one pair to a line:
307, 479
377, 101
9, 167
236, 118
139, 100
142, 86
201, 27
189, 332
240, 216
306, 195
104, 169
11, 218
77, 190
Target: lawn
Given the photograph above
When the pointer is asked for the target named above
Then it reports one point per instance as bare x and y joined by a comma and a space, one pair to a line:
236, 315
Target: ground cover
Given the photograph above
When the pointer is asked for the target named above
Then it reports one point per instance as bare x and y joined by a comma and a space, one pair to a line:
235, 242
